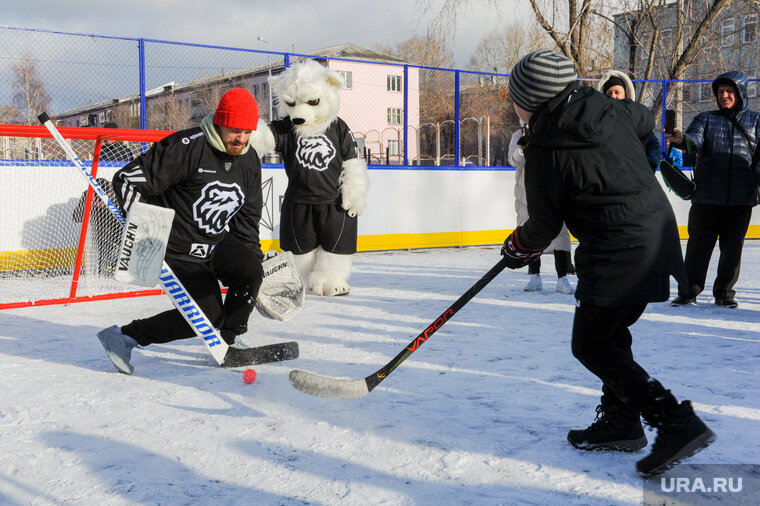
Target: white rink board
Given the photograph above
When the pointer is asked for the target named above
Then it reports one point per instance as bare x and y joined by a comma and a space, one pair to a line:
400, 201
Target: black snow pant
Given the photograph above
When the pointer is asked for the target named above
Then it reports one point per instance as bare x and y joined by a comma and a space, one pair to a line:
707, 224
236, 266
602, 343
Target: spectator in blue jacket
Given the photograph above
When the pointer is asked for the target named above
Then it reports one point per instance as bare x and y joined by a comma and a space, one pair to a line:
618, 85
725, 141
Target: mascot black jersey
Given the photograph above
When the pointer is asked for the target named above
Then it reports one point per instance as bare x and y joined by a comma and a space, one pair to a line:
313, 164
208, 189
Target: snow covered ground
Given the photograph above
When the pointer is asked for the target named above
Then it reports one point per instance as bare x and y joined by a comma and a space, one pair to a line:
478, 415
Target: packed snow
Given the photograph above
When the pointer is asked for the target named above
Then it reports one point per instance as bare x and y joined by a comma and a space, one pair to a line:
477, 415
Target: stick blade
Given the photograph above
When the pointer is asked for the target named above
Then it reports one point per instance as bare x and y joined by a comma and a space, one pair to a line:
322, 386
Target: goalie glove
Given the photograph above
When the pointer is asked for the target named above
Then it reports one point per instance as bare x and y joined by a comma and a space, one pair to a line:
281, 295
516, 254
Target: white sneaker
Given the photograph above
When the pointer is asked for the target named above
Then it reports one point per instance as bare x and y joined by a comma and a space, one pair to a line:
564, 286
534, 284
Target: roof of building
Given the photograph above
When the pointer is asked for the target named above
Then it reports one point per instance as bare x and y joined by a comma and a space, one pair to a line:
352, 51
347, 50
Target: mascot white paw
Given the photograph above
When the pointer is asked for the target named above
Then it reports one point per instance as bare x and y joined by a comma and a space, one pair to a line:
353, 186
330, 274
262, 140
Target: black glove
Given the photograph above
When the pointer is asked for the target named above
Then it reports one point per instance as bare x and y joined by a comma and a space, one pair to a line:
517, 254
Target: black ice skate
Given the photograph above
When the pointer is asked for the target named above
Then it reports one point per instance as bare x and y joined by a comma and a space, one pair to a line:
680, 434
612, 430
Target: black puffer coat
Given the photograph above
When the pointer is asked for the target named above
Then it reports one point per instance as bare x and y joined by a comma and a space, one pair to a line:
723, 172
585, 166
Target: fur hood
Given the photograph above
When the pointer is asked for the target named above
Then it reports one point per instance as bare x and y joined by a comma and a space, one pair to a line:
630, 90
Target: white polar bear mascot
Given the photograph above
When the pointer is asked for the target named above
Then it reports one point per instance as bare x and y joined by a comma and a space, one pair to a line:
327, 181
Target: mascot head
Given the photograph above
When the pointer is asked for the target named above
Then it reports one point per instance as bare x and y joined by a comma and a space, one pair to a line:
308, 93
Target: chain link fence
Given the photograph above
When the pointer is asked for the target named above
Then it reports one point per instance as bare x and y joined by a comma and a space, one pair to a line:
401, 114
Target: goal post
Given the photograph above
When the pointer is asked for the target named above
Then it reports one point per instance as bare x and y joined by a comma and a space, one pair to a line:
58, 242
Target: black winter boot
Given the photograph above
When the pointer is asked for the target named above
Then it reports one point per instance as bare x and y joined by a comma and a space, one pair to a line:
680, 434
615, 428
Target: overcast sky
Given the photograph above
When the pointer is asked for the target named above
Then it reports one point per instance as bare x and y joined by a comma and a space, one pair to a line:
300, 25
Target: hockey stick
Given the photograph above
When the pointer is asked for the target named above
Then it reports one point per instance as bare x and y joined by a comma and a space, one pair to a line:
201, 325
323, 386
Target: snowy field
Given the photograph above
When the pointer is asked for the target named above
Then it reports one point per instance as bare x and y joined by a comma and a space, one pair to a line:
478, 415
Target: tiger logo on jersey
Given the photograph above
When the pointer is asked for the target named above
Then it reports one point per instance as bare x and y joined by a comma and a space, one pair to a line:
315, 153
217, 205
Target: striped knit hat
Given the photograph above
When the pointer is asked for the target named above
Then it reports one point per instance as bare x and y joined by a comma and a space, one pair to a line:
539, 77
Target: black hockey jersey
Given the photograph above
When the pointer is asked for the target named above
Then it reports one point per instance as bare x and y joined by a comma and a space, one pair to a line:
208, 190
313, 164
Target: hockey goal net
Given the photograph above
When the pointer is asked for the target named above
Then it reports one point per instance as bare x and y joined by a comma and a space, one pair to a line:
58, 243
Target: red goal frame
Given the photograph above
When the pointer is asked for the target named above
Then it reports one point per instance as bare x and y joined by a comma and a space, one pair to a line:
98, 135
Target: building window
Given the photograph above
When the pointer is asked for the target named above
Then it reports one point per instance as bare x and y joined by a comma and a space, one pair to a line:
686, 92
394, 115
750, 28
347, 82
394, 83
255, 90
666, 41
705, 92
134, 110
393, 148
751, 85
727, 32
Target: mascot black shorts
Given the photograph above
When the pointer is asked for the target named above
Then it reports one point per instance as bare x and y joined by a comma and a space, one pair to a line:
303, 227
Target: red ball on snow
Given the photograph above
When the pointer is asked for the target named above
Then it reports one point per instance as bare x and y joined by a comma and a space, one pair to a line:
249, 376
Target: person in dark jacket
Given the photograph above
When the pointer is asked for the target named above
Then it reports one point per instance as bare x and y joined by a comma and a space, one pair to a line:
585, 167
113, 150
105, 230
727, 188
211, 178
618, 85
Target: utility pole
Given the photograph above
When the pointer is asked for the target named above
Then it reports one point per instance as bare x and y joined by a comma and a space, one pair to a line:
269, 64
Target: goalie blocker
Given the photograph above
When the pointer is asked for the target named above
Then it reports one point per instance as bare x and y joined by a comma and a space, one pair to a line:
143, 244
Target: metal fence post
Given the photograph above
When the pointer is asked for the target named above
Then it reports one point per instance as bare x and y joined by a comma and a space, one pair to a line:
143, 103
664, 84
456, 117
406, 114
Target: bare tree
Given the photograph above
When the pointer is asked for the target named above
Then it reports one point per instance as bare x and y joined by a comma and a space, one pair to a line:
9, 114
663, 41
169, 113
582, 30
500, 49
584, 39
424, 51
29, 94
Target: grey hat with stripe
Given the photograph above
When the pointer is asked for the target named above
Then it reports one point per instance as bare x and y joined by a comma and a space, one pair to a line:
539, 77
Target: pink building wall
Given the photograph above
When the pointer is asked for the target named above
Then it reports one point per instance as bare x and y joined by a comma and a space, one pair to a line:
364, 107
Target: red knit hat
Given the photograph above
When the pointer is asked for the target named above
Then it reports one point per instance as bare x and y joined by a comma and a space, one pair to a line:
237, 109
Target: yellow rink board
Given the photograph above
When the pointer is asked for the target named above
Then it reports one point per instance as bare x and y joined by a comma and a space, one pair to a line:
56, 258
